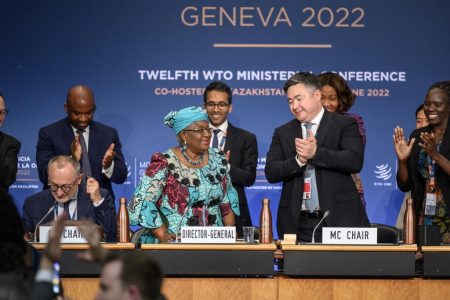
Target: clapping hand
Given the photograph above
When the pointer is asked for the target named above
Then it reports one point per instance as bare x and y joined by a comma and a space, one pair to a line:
108, 157
227, 156
306, 148
429, 143
402, 148
75, 147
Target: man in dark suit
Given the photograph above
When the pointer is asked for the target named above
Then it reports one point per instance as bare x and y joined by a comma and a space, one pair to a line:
96, 146
315, 164
68, 193
9, 148
239, 146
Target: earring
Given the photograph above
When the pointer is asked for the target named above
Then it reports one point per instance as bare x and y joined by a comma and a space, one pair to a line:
185, 145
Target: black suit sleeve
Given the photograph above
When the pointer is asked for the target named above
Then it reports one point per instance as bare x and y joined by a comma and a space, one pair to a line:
8, 166
27, 218
245, 174
281, 164
120, 172
44, 152
349, 157
105, 216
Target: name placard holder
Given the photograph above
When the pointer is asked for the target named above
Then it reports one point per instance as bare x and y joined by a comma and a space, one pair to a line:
208, 235
71, 234
349, 235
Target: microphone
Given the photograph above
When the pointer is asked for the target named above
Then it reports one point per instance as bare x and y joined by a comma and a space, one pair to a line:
178, 233
39, 223
325, 215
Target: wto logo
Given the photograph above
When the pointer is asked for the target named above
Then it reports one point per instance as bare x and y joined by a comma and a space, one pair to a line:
383, 172
128, 169
128, 180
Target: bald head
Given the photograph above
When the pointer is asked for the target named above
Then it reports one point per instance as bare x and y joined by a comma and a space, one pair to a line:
80, 106
79, 93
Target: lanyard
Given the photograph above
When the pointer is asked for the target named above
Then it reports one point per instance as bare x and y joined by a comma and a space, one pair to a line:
432, 166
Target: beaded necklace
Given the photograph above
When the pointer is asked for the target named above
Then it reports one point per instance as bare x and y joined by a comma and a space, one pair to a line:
194, 163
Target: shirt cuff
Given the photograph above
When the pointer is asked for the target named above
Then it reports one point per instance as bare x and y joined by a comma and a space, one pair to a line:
299, 162
108, 172
44, 275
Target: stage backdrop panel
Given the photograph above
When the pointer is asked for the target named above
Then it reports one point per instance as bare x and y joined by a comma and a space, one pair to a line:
145, 58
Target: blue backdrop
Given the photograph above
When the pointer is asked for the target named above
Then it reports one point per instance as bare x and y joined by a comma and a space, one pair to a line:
145, 58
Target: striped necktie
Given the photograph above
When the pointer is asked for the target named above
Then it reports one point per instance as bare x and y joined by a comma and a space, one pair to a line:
215, 143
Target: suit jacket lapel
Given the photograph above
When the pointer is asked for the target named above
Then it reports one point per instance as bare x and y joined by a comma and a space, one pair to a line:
93, 144
68, 134
231, 137
324, 127
296, 132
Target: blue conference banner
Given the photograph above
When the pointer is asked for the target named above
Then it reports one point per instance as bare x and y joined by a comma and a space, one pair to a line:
146, 58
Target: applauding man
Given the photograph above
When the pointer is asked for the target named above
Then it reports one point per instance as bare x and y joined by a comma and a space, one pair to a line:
96, 146
314, 155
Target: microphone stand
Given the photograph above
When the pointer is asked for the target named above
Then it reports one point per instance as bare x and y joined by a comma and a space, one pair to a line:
325, 215
52, 208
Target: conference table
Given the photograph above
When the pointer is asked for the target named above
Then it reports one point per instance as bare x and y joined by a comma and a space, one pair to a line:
246, 271
349, 260
436, 261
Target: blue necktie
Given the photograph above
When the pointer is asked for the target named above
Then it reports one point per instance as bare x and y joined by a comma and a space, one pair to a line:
215, 143
313, 203
84, 160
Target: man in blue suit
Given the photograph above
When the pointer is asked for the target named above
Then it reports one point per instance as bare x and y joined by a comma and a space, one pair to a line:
68, 193
96, 146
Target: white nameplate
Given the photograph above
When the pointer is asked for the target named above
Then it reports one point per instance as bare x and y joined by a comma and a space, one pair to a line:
71, 234
349, 235
208, 234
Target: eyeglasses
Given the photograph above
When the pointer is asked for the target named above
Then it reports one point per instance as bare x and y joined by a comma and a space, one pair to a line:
65, 187
201, 130
4, 112
220, 105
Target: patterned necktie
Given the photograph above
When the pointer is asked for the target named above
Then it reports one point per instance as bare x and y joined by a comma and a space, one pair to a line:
215, 143
84, 160
312, 203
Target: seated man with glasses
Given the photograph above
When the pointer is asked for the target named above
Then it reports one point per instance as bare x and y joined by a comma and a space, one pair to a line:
69, 194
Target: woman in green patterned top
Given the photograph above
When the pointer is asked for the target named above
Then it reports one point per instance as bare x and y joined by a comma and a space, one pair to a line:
188, 185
